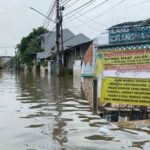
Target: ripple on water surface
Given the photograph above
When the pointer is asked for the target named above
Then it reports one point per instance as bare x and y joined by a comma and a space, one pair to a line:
42, 113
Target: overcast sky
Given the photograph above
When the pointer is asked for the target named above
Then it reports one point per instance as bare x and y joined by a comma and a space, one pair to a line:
17, 20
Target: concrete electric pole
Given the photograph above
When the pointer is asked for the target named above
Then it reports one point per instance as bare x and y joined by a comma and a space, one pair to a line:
61, 26
59, 38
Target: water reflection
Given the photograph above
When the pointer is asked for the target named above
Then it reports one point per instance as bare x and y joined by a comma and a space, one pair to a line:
52, 98
50, 113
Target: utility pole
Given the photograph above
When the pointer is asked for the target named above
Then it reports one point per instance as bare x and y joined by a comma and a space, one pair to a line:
58, 36
61, 30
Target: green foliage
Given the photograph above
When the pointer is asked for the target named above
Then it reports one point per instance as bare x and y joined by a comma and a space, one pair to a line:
68, 71
45, 63
29, 46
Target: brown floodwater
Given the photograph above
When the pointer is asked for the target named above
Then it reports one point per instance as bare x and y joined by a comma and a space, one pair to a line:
51, 113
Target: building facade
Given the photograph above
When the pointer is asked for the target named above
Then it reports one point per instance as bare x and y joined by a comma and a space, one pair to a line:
74, 48
122, 70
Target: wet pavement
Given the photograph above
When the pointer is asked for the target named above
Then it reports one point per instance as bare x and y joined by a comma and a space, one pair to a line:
49, 113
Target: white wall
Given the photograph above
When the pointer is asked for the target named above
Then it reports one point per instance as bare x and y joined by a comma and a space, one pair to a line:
77, 68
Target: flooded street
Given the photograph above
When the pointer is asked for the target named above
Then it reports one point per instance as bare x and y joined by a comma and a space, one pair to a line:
52, 114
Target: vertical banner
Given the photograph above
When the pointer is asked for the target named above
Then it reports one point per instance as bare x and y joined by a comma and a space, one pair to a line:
99, 63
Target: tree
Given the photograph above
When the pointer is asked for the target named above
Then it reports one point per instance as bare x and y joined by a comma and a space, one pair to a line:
30, 45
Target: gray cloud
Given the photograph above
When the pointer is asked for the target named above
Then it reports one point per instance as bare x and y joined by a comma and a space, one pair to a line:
17, 20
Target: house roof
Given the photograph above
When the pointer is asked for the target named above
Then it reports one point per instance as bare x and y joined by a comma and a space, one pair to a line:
76, 40
70, 40
48, 40
129, 24
42, 55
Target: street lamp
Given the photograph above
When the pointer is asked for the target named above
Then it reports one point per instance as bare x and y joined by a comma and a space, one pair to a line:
59, 31
42, 14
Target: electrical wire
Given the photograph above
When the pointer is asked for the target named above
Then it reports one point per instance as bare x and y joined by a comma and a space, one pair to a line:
72, 4
50, 14
87, 26
116, 5
49, 22
122, 1
85, 23
89, 2
93, 20
105, 1
132, 6
65, 2
47, 14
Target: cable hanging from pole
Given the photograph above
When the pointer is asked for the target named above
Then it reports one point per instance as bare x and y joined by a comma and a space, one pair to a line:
42, 14
89, 10
50, 9
119, 3
72, 4
50, 15
79, 7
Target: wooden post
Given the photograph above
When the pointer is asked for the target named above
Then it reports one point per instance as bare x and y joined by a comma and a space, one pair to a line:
95, 94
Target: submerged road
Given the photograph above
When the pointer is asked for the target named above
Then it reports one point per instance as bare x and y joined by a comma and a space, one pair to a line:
43, 113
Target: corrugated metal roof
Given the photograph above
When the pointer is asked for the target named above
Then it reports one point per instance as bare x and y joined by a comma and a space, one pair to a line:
76, 40
43, 55
48, 42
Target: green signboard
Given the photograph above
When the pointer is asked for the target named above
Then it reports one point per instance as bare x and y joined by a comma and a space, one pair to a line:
125, 34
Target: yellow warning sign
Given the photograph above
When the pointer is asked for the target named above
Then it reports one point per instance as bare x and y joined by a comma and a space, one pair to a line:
125, 91
123, 60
